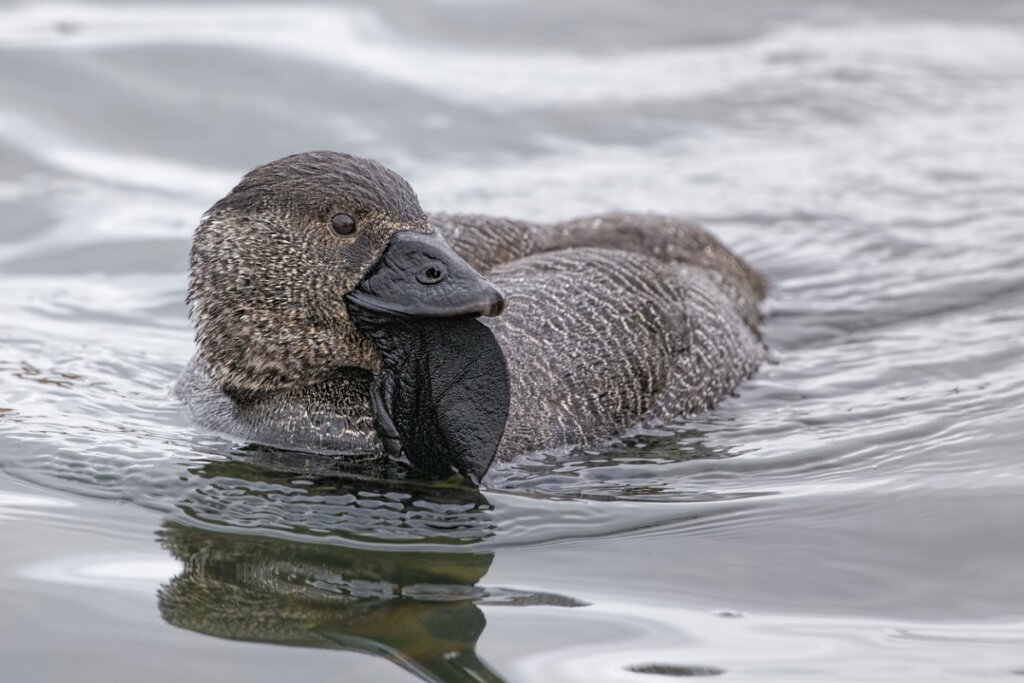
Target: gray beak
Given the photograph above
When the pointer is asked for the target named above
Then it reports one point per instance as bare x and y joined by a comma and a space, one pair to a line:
420, 276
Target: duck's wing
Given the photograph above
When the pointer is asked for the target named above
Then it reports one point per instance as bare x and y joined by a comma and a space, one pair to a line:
671, 240
487, 242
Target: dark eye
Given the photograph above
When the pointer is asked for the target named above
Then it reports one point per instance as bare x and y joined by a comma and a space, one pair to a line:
343, 224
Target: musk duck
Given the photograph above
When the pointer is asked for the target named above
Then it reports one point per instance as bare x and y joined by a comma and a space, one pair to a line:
333, 316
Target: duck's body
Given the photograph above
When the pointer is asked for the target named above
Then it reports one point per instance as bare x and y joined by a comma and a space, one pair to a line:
610, 321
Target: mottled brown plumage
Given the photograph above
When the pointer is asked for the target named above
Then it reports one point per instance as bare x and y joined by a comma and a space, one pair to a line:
610, 320
267, 277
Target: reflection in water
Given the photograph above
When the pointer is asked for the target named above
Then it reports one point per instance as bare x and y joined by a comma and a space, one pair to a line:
419, 609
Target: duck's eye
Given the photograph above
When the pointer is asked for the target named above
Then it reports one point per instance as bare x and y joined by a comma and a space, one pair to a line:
342, 224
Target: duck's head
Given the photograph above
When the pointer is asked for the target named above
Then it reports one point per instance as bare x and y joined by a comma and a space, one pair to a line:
274, 263
278, 262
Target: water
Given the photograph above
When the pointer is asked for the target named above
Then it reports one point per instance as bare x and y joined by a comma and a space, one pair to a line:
853, 514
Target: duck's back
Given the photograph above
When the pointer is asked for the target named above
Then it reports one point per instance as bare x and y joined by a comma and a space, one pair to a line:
598, 339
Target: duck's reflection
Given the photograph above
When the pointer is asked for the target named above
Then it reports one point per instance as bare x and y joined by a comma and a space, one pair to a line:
416, 609
419, 609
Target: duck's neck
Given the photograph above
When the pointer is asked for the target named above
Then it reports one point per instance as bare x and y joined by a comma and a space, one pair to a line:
441, 397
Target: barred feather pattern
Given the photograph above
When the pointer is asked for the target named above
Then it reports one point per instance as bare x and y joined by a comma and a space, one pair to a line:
598, 340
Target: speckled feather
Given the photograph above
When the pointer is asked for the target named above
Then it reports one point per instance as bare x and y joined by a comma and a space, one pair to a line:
611, 320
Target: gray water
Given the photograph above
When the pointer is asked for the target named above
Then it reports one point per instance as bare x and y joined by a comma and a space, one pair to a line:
853, 514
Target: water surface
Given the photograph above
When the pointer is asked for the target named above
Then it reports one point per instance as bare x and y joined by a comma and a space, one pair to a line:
854, 513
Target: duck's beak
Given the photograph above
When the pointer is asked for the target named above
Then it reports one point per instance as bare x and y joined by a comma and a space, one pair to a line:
420, 276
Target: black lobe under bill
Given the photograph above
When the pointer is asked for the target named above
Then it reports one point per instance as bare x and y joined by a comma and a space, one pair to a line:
441, 398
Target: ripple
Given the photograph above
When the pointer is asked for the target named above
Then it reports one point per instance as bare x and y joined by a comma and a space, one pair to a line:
494, 79
676, 670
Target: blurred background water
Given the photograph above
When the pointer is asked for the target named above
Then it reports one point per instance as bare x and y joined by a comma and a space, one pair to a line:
855, 513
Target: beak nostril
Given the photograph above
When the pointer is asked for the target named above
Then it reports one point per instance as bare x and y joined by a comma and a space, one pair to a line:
433, 274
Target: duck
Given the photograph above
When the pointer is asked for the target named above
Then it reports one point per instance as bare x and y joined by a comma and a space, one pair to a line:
334, 317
